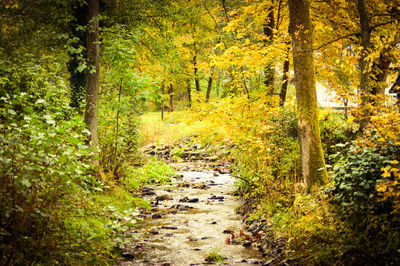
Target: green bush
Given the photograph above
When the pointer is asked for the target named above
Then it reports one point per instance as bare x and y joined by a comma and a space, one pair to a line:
44, 163
154, 172
334, 129
373, 221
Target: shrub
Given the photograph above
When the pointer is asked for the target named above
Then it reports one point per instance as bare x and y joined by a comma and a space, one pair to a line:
334, 129
44, 162
374, 221
151, 173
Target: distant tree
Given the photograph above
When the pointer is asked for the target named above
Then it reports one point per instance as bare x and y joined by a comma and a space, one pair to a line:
92, 71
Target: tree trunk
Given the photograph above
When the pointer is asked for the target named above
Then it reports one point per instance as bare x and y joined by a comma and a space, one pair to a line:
77, 78
162, 102
209, 87
171, 97
313, 163
285, 82
363, 61
196, 77
366, 45
269, 34
92, 72
379, 73
189, 94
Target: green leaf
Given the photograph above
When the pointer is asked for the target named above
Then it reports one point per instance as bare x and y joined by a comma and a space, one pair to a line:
11, 112
26, 183
40, 101
74, 140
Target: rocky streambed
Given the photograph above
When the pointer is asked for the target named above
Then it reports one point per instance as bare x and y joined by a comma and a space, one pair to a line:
193, 219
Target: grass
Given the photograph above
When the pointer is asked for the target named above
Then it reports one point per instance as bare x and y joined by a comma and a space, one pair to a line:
169, 131
154, 172
215, 256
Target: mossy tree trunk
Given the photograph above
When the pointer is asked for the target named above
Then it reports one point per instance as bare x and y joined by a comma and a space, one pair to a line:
313, 163
92, 72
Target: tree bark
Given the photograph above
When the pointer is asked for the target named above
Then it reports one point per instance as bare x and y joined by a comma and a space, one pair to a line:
363, 61
162, 102
189, 94
171, 97
77, 78
285, 82
92, 72
379, 71
269, 71
366, 45
196, 77
313, 162
209, 87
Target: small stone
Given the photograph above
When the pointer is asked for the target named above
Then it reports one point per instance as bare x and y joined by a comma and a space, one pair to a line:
216, 197
127, 254
163, 197
156, 216
153, 231
193, 200
169, 227
247, 244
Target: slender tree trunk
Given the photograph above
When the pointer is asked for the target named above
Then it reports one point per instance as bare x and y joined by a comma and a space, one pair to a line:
285, 82
225, 10
209, 87
162, 102
196, 77
171, 97
77, 78
92, 72
117, 121
269, 34
245, 88
313, 163
189, 93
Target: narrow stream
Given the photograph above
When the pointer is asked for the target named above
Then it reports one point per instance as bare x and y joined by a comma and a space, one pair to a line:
193, 216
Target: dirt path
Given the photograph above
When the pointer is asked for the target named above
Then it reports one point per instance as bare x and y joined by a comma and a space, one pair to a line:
192, 216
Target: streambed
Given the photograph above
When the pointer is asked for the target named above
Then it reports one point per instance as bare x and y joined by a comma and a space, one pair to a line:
192, 217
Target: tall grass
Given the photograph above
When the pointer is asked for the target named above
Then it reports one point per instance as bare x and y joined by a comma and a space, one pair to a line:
168, 131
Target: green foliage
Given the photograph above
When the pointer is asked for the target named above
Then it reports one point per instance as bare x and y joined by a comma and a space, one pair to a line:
99, 226
334, 128
214, 256
124, 95
154, 172
44, 162
357, 202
